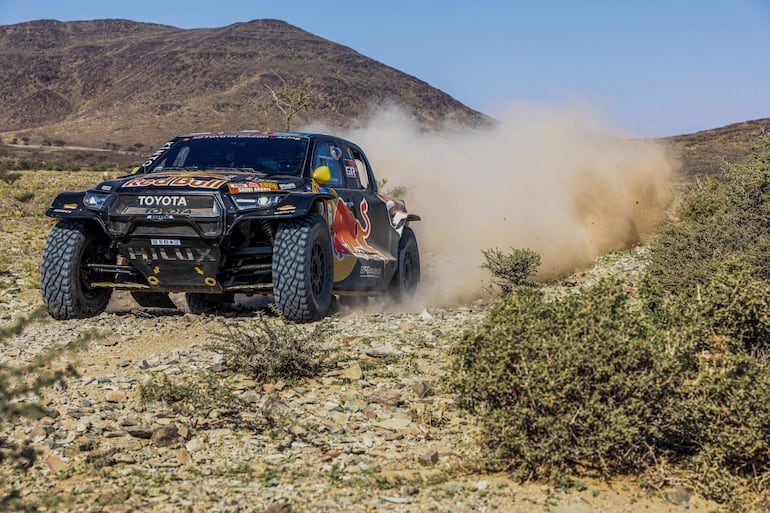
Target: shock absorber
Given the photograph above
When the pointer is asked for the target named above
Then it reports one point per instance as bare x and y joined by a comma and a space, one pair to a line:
267, 227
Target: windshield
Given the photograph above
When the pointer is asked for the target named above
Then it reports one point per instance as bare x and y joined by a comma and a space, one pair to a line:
263, 153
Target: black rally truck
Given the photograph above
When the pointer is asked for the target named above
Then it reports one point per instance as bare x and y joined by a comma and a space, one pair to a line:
214, 214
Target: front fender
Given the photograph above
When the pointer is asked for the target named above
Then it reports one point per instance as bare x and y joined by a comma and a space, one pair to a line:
296, 205
70, 205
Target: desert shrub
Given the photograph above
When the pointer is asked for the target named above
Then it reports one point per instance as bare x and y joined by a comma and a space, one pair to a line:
63, 165
579, 381
720, 217
271, 349
24, 197
677, 376
9, 177
197, 397
726, 406
510, 270
736, 305
25, 164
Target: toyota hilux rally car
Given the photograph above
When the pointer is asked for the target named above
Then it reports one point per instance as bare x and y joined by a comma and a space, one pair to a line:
295, 215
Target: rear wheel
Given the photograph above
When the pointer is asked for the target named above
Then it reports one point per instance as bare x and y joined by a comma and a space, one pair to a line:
303, 268
406, 282
65, 275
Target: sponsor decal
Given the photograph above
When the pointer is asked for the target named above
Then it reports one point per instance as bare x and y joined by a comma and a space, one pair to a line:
165, 201
169, 210
106, 187
70, 206
152, 158
287, 186
370, 271
243, 135
245, 187
165, 242
62, 211
201, 182
286, 209
160, 217
350, 169
172, 254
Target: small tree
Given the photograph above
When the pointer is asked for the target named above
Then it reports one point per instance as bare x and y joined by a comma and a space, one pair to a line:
290, 99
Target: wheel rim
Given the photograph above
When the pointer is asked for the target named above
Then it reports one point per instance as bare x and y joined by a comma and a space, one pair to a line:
317, 270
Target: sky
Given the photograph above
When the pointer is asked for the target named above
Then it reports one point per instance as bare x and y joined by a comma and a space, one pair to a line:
648, 67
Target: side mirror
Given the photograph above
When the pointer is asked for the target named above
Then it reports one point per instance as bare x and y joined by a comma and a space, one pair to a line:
322, 174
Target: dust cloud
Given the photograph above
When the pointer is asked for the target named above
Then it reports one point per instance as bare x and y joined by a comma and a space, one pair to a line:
555, 179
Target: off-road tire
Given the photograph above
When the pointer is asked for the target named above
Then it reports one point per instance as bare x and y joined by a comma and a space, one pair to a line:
153, 299
63, 277
303, 268
406, 281
199, 303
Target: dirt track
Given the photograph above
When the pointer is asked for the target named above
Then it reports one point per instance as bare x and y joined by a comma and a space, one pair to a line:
375, 433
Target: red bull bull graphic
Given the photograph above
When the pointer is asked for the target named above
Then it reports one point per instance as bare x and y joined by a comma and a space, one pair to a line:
349, 241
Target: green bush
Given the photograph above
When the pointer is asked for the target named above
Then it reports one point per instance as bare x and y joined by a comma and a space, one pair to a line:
720, 217
577, 382
9, 177
674, 377
271, 349
24, 197
510, 270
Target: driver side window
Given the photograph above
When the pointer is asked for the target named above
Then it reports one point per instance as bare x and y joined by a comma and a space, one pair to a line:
325, 156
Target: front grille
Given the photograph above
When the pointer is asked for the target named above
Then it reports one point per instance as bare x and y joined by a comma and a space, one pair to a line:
194, 205
181, 215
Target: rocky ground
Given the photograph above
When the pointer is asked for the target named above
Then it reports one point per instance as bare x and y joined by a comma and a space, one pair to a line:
375, 430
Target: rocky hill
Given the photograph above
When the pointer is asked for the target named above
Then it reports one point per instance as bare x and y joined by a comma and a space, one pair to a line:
116, 81
702, 153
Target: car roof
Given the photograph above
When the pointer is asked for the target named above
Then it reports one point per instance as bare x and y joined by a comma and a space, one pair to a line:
310, 135
235, 132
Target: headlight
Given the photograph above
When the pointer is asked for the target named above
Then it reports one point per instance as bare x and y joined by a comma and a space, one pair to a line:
95, 200
260, 201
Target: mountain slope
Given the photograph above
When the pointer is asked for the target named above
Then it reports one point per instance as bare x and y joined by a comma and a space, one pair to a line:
702, 153
89, 82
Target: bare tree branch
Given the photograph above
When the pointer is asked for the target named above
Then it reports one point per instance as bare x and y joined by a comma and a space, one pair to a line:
290, 100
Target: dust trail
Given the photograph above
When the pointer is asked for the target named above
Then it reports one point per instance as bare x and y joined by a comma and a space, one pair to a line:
553, 179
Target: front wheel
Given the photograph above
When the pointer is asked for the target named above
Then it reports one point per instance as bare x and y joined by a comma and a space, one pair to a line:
406, 282
65, 275
303, 268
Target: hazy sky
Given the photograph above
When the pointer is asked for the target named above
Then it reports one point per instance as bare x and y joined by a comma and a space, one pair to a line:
651, 67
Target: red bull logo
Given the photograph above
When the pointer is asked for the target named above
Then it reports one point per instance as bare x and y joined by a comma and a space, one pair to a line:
176, 180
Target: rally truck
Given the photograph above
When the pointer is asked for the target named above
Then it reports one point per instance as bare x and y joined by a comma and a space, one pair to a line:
295, 215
